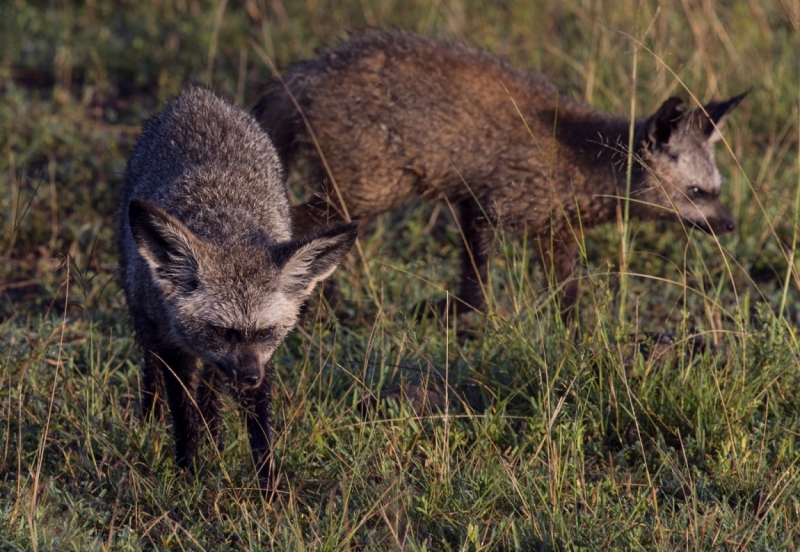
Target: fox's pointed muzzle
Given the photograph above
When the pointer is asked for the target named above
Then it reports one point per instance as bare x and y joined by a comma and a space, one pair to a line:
248, 373
718, 224
249, 379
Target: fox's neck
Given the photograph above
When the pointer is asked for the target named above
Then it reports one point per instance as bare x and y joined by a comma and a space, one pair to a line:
598, 147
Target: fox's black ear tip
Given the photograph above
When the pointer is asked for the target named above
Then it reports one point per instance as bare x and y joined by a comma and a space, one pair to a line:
671, 103
737, 99
138, 206
351, 229
139, 217
340, 229
669, 110
732, 102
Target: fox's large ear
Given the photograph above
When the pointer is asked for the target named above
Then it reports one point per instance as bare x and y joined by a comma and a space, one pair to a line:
166, 244
665, 121
311, 258
716, 112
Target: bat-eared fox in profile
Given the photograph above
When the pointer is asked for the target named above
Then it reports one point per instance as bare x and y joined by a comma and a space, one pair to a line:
388, 116
213, 278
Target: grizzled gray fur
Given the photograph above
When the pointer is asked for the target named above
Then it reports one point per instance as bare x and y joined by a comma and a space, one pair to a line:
395, 116
213, 277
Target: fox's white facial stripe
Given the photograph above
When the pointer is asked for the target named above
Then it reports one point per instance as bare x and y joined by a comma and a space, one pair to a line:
279, 311
275, 311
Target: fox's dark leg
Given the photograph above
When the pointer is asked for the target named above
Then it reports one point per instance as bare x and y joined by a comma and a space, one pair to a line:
180, 377
257, 406
152, 392
478, 237
208, 401
558, 254
152, 388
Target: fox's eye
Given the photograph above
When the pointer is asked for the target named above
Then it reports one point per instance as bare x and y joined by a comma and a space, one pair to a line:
696, 191
222, 332
264, 334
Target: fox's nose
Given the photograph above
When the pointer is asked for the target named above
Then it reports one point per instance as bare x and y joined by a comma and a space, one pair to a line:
250, 379
730, 226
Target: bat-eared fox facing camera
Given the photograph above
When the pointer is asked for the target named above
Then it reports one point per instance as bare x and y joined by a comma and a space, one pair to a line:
213, 277
389, 116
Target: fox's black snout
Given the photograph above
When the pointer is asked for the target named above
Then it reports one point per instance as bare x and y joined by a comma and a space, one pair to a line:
250, 379
247, 373
718, 225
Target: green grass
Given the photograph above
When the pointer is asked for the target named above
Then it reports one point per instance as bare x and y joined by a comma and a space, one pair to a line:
553, 437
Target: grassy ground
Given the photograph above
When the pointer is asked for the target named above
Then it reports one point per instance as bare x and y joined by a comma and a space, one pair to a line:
552, 437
